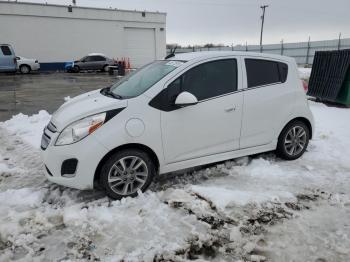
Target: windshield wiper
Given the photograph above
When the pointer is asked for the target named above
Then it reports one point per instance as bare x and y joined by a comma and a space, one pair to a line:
114, 95
107, 92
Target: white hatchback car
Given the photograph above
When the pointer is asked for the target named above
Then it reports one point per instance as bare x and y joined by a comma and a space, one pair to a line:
185, 111
26, 65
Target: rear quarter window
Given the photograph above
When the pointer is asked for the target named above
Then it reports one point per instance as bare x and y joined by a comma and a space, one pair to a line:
5, 50
265, 72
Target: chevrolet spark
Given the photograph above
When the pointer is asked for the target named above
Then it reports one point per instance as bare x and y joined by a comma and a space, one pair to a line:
185, 111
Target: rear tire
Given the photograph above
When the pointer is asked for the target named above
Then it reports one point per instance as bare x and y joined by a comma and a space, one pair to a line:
105, 68
126, 172
293, 140
24, 69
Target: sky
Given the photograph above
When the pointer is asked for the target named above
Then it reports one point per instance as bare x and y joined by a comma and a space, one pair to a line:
228, 22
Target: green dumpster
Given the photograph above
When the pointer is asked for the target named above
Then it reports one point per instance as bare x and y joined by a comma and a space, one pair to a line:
344, 93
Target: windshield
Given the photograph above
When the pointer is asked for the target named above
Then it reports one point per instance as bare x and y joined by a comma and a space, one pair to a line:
141, 80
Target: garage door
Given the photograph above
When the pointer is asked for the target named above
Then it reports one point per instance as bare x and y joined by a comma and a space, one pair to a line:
140, 45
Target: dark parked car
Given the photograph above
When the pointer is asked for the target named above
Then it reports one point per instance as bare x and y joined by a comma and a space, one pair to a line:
92, 62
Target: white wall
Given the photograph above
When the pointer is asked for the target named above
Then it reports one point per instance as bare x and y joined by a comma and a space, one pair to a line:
52, 34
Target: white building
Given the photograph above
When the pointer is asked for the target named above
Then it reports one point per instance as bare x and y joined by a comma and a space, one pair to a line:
56, 34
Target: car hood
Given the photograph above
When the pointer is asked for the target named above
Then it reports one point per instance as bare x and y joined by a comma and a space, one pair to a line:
84, 105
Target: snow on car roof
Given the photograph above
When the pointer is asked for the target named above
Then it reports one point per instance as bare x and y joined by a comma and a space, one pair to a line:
96, 54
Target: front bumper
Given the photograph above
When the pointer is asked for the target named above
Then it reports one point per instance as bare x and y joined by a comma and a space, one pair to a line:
88, 152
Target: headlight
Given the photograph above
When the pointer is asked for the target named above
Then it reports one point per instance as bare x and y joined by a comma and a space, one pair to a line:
80, 129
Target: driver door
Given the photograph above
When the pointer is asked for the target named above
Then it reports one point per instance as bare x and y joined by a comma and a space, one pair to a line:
211, 126
86, 63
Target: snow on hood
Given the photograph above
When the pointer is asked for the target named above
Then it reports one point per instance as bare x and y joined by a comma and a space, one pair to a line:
84, 105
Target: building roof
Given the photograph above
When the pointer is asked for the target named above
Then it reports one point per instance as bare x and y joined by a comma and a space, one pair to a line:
80, 7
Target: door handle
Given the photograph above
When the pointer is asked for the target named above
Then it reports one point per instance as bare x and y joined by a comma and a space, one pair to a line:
230, 109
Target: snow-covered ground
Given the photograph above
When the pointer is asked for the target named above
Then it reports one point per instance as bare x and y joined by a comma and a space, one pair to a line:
304, 72
248, 209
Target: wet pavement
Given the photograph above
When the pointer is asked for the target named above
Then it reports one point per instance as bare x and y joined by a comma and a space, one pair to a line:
28, 94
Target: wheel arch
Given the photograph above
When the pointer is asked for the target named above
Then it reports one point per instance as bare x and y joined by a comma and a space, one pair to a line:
302, 119
141, 147
21, 65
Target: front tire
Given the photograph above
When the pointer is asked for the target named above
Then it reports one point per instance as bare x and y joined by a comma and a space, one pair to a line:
126, 172
76, 69
24, 69
293, 141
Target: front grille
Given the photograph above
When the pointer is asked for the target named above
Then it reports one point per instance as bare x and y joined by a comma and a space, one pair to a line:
46, 138
45, 141
51, 127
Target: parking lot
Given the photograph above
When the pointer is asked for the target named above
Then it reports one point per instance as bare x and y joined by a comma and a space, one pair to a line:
28, 94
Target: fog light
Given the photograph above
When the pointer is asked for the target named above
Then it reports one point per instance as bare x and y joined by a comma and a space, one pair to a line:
69, 167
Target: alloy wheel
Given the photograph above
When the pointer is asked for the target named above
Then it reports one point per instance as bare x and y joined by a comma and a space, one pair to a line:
25, 69
295, 140
127, 175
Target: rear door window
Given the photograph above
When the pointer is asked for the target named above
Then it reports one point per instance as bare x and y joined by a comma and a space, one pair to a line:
6, 50
265, 72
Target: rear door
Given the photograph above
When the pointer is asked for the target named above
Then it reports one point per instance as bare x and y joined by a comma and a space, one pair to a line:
7, 58
98, 62
268, 100
213, 125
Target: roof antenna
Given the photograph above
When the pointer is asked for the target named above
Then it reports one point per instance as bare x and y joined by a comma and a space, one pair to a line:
172, 53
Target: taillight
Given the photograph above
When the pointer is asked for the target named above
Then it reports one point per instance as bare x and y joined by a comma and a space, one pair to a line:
305, 85
15, 61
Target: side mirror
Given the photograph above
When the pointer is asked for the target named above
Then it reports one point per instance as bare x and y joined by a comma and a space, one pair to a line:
186, 99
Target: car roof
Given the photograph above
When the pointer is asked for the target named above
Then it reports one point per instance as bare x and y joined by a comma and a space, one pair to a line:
213, 54
96, 54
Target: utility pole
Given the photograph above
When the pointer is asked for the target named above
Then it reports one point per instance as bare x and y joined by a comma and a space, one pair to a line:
263, 7
282, 47
307, 52
339, 39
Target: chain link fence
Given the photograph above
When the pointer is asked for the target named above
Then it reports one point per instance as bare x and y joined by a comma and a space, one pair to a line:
303, 52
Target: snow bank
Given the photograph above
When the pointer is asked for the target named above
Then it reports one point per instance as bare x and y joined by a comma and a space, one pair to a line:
25, 197
304, 72
138, 228
224, 198
29, 128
